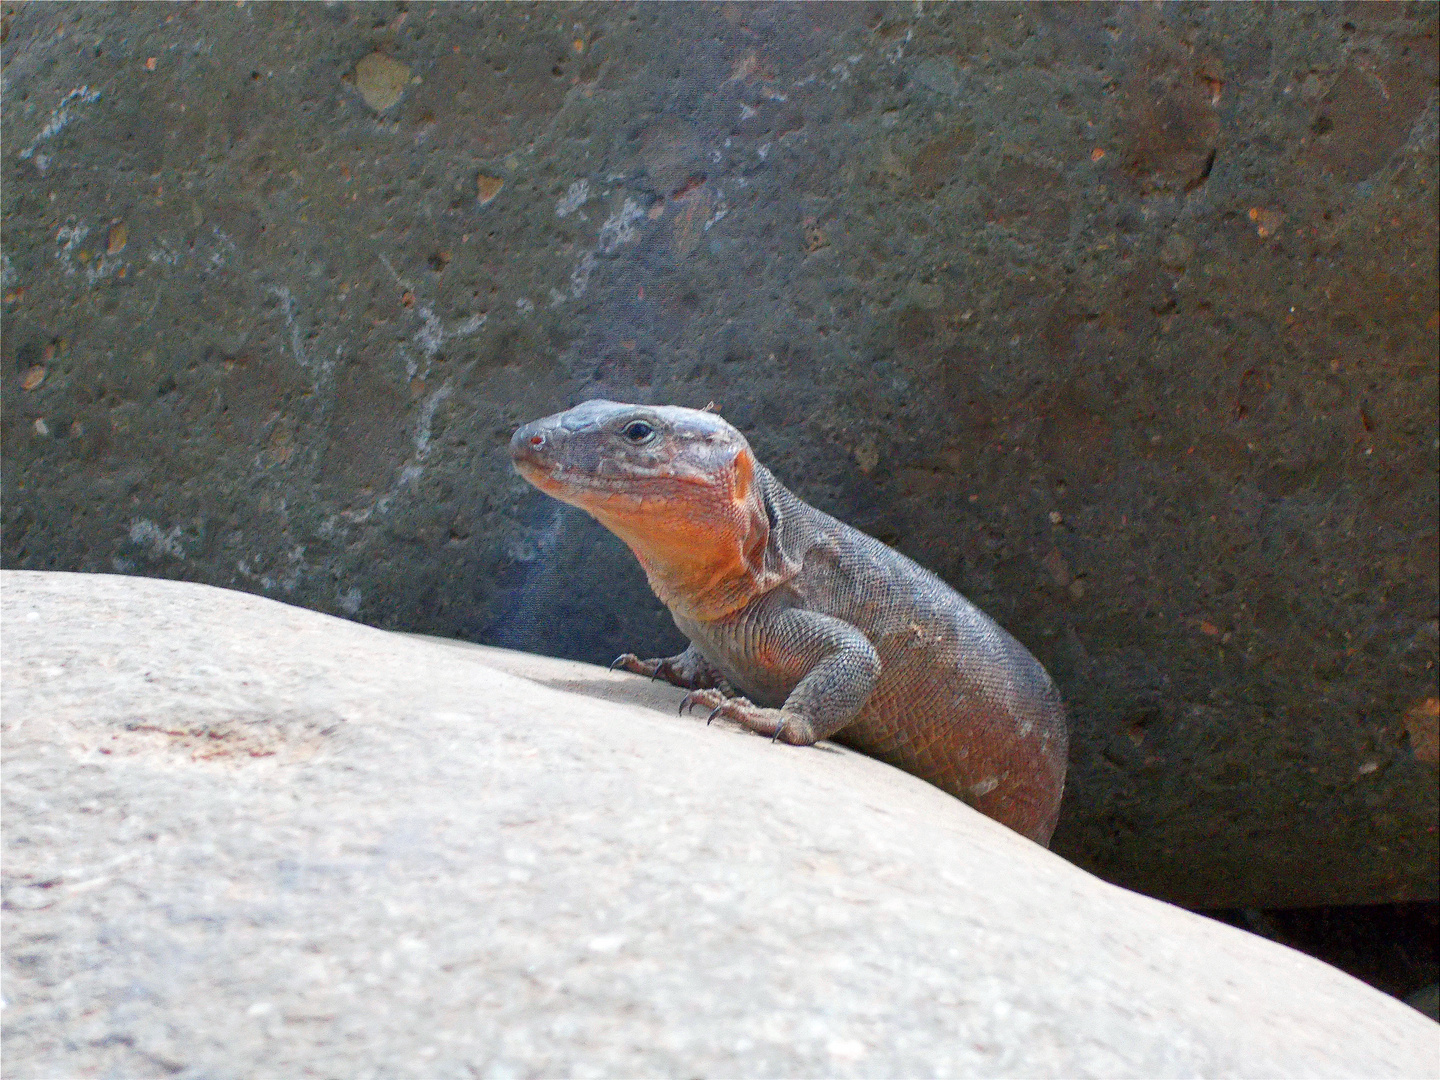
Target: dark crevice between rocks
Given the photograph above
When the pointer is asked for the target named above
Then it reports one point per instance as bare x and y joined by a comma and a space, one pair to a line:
1393, 947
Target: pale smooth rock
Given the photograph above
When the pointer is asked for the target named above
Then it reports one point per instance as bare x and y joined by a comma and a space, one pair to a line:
244, 839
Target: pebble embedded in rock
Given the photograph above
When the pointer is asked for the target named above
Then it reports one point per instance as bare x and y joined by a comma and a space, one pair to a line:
487, 187
32, 378
1422, 724
1266, 220
381, 80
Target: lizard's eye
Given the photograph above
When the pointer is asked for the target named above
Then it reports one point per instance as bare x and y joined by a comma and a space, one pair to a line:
638, 431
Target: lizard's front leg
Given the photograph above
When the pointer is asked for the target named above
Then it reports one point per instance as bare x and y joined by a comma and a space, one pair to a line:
840, 667
688, 670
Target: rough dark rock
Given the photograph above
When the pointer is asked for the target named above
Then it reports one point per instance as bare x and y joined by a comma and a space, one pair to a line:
1123, 319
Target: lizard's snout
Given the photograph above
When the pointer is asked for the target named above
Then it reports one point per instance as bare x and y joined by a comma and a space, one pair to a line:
538, 450
529, 443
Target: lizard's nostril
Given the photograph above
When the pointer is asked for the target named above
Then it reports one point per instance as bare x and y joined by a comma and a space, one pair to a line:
537, 441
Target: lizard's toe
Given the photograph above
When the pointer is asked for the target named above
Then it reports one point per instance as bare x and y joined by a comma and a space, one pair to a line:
712, 698
793, 730
776, 724
654, 669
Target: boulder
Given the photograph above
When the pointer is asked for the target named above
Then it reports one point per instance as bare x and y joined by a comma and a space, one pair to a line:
1120, 319
244, 838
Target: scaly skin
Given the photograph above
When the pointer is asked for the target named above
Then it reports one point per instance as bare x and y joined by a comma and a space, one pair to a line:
826, 632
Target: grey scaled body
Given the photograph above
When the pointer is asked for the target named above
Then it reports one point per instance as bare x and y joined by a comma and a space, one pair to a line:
825, 631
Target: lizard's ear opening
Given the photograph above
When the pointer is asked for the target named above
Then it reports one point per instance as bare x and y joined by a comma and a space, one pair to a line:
744, 469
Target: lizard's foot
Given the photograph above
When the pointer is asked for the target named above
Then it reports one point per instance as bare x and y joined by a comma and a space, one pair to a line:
656, 668
688, 670
780, 725
660, 667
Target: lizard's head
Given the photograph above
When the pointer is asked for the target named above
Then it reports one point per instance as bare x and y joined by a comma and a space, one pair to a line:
610, 454
677, 485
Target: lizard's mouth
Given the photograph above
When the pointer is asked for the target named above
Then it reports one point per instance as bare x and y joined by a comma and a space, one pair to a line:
552, 478
577, 488
529, 449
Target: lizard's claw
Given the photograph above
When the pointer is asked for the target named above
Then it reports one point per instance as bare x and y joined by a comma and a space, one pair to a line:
661, 668
633, 664
713, 698
714, 713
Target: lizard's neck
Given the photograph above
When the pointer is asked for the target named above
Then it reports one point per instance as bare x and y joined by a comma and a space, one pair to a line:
708, 549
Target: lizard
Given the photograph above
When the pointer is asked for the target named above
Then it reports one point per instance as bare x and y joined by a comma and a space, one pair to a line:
801, 627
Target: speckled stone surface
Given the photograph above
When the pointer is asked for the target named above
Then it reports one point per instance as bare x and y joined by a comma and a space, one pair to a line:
1122, 319
245, 839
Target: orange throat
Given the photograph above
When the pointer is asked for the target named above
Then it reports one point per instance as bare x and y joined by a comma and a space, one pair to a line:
702, 544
